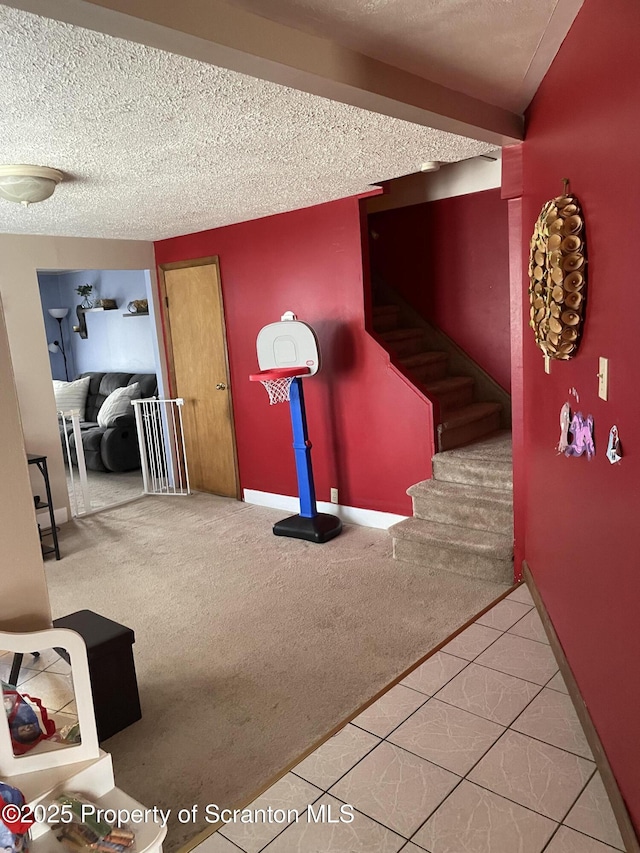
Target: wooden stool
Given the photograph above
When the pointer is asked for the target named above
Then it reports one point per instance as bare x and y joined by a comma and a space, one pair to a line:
111, 669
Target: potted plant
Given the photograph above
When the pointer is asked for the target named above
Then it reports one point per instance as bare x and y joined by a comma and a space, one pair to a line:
84, 290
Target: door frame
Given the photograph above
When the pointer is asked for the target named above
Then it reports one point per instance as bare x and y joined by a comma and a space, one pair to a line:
211, 260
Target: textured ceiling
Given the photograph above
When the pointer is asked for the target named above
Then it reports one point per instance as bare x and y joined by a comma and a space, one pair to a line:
483, 48
156, 145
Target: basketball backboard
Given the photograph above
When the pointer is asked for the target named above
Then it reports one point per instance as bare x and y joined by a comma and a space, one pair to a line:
289, 343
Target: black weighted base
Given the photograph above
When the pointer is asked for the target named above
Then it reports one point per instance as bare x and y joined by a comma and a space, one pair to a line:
321, 528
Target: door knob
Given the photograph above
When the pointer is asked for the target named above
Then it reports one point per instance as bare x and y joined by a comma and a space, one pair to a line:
221, 386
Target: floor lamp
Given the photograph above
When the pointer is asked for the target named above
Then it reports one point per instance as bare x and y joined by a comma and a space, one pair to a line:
59, 314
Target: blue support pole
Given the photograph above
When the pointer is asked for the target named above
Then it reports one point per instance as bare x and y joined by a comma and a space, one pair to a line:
302, 451
309, 524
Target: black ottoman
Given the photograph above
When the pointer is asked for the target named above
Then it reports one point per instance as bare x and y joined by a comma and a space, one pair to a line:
111, 669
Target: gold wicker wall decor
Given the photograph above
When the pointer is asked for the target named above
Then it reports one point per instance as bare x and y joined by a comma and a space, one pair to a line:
558, 277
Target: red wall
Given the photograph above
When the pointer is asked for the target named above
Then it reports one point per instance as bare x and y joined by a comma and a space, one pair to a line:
581, 537
370, 430
450, 260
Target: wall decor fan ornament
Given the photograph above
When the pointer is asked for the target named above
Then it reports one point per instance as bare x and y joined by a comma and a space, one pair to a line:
558, 276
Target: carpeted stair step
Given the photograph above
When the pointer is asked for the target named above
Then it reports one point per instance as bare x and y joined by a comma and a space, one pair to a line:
404, 342
463, 505
426, 367
385, 317
444, 547
485, 463
468, 424
453, 392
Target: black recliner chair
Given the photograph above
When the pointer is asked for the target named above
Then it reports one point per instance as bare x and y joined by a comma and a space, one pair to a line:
113, 448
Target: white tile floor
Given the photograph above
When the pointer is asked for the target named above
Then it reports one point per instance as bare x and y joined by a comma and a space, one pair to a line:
478, 750
48, 678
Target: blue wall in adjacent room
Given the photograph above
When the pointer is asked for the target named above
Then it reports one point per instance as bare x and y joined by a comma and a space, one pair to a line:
114, 342
51, 297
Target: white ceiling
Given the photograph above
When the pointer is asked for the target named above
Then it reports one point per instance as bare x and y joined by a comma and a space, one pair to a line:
155, 144
158, 145
483, 48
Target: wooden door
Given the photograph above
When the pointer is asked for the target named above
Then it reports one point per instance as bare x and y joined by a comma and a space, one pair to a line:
197, 347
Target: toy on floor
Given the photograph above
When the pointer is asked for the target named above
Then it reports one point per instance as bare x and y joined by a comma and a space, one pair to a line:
69, 734
288, 351
81, 831
14, 833
28, 720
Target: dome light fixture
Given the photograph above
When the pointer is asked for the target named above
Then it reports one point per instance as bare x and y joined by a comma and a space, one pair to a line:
28, 184
430, 166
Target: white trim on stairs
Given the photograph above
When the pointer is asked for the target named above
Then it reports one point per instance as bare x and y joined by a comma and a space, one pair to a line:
348, 514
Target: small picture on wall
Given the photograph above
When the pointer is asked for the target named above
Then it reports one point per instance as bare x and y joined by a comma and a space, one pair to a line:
576, 433
614, 448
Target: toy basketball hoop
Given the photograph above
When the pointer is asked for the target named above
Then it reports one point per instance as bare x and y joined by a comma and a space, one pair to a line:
288, 351
278, 381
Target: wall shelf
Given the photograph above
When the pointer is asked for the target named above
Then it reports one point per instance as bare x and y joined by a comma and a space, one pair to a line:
136, 314
81, 328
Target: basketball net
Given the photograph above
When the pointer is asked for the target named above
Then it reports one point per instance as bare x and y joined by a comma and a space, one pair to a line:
278, 389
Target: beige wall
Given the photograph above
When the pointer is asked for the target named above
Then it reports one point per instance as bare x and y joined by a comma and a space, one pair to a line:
21, 257
24, 602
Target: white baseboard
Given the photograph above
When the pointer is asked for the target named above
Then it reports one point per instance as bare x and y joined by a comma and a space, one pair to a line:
348, 514
61, 516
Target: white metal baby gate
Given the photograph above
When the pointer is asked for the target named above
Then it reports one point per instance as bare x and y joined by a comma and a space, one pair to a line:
163, 458
73, 418
163, 455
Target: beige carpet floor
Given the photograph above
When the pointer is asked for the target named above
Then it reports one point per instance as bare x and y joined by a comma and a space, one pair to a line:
106, 487
249, 647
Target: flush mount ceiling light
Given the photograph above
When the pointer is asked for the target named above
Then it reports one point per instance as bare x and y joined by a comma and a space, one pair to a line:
430, 166
28, 184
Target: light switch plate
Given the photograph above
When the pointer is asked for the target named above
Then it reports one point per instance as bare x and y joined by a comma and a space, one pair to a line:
603, 378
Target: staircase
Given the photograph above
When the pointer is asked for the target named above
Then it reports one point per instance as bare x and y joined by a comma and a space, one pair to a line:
463, 518
462, 418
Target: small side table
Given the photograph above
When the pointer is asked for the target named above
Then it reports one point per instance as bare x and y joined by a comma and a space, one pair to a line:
41, 462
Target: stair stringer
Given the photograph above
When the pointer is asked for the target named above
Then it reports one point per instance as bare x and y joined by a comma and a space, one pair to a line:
486, 389
431, 405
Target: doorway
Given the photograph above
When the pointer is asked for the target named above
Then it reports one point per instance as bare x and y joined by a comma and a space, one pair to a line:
199, 371
101, 337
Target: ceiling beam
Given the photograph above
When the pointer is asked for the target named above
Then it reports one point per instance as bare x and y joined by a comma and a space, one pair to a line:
219, 34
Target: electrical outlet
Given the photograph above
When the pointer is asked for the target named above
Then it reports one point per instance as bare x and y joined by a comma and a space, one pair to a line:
603, 378
334, 496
